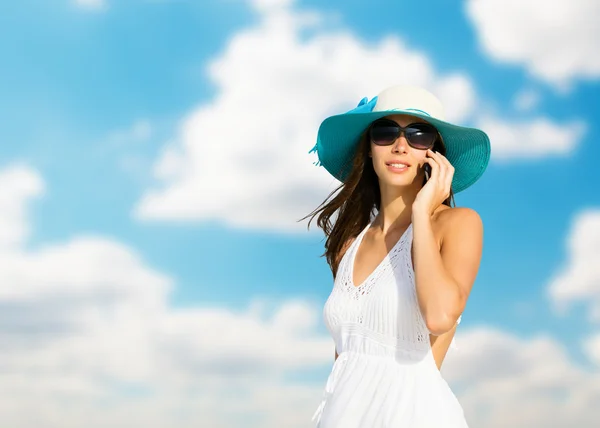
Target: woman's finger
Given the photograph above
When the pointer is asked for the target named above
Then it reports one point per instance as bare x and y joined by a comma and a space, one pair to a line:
449, 172
441, 175
448, 169
447, 162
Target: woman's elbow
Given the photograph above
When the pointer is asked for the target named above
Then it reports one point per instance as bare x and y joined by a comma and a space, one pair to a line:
439, 324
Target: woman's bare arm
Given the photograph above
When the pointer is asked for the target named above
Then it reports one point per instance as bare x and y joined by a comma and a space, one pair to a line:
444, 277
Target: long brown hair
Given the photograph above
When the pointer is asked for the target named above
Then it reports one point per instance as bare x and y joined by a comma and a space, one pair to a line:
354, 202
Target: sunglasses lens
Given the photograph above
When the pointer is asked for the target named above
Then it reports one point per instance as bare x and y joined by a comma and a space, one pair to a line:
384, 132
421, 135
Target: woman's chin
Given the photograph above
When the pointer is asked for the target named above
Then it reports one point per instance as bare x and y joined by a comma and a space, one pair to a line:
401, 182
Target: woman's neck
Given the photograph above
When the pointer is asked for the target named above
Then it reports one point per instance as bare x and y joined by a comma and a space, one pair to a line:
396, 208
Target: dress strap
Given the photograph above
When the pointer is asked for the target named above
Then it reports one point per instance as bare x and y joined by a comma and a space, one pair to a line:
356, 243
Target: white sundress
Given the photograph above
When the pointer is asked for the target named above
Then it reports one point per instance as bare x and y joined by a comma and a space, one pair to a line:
385, 375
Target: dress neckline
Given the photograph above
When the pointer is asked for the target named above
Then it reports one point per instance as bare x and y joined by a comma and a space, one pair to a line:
355, 251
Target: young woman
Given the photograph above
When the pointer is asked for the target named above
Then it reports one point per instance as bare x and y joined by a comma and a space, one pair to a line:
403, 258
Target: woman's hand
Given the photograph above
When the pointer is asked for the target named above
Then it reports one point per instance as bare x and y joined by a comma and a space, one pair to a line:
437, 188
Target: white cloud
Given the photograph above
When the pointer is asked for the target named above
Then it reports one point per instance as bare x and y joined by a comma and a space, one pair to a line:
578, 279
591, 348
266, 5
243, 158
531, 139
557, 44
526, 100
502, 380
88, 338
18, 184
91, 4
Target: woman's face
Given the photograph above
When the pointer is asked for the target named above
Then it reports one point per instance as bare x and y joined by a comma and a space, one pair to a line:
399, 164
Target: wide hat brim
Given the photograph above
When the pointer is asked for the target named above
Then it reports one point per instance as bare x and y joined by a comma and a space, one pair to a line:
467, 149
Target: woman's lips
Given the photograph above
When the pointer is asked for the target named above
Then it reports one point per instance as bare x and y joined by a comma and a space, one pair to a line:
397, 167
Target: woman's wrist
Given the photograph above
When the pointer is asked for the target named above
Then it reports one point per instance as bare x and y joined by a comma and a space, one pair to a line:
420, 213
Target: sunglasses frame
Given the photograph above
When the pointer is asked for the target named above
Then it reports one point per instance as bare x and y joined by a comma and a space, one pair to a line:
402, 130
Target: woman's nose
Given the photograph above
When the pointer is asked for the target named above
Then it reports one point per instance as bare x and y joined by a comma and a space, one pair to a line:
400, 145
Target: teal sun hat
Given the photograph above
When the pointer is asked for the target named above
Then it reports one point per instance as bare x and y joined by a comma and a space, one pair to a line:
467, 149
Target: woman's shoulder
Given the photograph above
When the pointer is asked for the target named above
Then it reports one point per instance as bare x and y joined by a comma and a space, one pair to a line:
460, 214
455, 220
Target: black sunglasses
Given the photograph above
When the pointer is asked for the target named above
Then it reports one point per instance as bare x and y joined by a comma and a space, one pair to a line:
384, 132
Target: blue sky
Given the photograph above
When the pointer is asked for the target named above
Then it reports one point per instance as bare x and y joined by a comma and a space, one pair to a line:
117, 117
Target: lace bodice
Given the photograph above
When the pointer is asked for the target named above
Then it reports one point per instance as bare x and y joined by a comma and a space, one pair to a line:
384, 306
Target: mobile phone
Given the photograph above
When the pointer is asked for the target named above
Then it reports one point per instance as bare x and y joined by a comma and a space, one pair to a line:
427, 170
